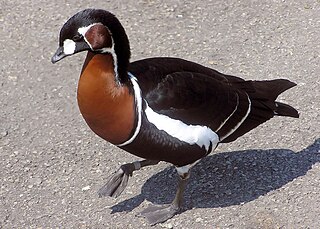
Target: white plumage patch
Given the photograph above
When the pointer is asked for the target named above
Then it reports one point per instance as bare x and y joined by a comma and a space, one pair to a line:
183, 170
84, 30
69, 46
192, 134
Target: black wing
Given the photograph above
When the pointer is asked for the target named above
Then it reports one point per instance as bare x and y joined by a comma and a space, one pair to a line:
198, 95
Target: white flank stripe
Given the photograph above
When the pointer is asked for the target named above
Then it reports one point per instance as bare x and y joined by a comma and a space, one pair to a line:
138, 98
192, 134
222, 124
242, 120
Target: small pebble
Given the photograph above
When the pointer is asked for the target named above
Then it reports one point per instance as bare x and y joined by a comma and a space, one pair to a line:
198, 220
35, 181
3, 133
167, 225
86, 188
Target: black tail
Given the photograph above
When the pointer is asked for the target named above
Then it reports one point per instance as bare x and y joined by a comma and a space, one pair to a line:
263, 105
283, 109
270, 90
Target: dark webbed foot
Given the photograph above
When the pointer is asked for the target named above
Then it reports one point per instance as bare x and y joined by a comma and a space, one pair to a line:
118, 181
159, 213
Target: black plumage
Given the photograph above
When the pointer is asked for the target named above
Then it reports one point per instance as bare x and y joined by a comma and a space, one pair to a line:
199, 95
180, 110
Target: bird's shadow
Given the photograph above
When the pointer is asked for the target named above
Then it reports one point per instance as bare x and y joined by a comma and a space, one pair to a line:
229, 178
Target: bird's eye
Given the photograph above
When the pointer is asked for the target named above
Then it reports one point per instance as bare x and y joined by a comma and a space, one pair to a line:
77, 37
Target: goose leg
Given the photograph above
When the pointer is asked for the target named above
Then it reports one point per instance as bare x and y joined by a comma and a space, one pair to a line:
160, 213
119, 180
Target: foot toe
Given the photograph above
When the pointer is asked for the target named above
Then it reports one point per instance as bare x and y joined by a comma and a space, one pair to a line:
115, 185
159, 213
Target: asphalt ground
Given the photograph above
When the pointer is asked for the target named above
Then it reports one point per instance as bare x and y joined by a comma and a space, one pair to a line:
51, 164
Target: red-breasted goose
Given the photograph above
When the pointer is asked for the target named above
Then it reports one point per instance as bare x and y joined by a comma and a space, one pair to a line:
160, 109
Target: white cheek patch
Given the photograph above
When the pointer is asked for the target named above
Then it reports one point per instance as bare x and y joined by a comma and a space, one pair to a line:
192, 134
69, 47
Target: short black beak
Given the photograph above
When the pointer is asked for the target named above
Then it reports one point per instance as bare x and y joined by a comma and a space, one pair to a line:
59, 55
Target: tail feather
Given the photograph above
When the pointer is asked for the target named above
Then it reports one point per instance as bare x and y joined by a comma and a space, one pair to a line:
283, 109
268, 91
263, 105
271, 89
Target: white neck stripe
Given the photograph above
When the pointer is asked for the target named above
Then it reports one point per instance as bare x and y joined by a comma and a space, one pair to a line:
138, 99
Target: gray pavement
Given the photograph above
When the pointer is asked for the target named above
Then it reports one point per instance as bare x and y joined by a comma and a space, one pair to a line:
51, 164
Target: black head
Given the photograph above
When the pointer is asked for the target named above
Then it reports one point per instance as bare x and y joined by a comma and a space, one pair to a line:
94, 30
